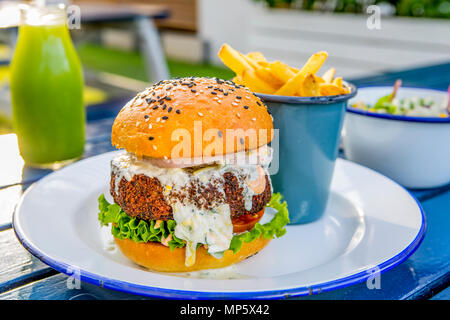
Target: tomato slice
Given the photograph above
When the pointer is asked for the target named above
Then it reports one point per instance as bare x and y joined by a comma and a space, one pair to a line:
246, 222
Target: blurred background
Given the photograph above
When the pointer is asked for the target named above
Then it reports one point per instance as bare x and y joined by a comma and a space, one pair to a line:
119, 55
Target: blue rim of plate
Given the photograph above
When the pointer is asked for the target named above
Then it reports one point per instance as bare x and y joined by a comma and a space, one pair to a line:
155, 292
399, 117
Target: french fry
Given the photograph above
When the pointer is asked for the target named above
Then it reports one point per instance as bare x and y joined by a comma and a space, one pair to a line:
250, 61
256, 84
314, 62
345, 89
329, 75
263, 73
311, 67
264, 64
233, 59
244, 67
318, 79
266, 76
329, 89
309, 87
275, 77
338, 82
281, 71
256, 56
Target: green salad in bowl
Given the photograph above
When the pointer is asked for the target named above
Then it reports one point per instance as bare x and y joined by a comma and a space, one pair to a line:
407, 106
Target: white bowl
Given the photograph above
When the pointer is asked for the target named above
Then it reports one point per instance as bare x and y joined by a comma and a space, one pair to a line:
414, 151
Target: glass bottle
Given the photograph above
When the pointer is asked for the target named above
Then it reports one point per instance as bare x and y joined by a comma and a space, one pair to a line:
46, 83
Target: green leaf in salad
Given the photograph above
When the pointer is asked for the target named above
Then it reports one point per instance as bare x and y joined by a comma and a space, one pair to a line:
386, 104
383, 102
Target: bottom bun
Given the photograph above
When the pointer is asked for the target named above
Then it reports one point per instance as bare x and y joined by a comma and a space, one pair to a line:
158, 257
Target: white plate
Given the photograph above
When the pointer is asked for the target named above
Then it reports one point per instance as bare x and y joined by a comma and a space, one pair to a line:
371, 224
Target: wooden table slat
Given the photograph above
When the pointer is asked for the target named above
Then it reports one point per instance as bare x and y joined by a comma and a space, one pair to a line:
17, 265
63, 287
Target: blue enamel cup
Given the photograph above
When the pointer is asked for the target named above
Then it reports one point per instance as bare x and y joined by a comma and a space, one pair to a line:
307, 142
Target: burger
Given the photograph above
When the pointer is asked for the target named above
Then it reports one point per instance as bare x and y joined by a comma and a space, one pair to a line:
192, 185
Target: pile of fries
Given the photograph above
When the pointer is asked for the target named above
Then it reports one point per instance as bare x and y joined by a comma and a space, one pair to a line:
261, 76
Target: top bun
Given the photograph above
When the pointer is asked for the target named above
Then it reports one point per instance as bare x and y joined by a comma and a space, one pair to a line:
164, 116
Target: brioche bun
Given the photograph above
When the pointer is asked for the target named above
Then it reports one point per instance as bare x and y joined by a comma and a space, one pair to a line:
155, 256
145, 124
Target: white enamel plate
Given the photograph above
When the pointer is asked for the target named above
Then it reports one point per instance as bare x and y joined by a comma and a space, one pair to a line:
371, 224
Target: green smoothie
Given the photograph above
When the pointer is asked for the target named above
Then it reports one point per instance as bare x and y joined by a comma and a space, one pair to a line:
47, 95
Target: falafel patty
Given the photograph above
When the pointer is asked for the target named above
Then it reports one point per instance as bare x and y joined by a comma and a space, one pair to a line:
145, 198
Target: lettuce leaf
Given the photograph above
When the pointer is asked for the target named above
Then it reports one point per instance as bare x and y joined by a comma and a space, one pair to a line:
272, 229
126, 227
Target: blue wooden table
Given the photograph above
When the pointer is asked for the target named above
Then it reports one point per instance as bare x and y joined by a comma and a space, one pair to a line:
425, 275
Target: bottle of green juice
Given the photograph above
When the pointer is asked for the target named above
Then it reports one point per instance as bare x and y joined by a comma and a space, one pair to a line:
47, 90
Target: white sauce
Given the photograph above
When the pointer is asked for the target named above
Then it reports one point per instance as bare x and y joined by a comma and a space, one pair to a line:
210, 227
199, 226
